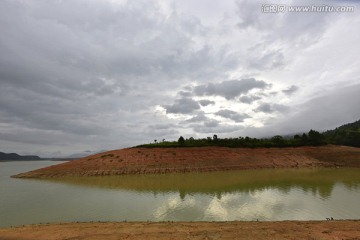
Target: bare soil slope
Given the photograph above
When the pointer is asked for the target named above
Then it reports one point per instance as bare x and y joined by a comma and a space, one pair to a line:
201, 159
188, 230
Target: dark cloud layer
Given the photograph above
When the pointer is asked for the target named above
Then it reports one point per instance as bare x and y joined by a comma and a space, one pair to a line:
290, 90
200, 117
230, 89
249, 99
183, 105
237, 117
270, 108
206, 102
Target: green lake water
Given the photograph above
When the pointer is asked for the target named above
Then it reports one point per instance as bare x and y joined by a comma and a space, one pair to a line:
266, 195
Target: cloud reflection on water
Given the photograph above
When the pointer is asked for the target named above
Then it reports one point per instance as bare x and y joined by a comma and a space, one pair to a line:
262, 205
299, 194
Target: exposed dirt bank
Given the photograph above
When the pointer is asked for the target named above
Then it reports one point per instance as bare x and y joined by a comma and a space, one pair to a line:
345, 229
200, 159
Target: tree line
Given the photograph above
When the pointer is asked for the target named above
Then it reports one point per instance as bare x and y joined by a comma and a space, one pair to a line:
348, 134
312, 138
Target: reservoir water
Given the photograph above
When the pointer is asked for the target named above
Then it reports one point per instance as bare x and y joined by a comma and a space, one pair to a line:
266, 195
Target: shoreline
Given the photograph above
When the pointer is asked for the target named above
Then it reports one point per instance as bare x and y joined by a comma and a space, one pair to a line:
199, 159
336, 229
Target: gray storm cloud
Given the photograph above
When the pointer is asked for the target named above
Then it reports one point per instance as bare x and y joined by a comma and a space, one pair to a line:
79, 75
230, 89
206, 102
290, 90
249, 99
183, 105
235, 116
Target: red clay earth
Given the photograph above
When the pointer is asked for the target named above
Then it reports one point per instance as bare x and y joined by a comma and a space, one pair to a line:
200, 159
345, 229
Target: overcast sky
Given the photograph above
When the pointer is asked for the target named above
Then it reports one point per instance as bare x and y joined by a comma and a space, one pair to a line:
89, 75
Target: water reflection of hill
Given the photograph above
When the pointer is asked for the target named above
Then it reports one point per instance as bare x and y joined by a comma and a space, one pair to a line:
317, 181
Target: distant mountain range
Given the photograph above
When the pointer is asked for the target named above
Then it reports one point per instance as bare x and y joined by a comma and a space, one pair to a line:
15, 156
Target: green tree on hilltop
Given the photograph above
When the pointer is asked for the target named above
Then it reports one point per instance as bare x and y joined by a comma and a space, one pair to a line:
181, 140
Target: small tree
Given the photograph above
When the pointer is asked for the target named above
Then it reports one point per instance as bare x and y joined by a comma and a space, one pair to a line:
304, 139
297, 137
278, 140
181, 140
315, 138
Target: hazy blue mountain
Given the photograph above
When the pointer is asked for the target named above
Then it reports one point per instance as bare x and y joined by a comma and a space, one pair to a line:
15, 156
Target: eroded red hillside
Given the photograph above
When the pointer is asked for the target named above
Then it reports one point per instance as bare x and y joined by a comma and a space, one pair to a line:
166, 160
